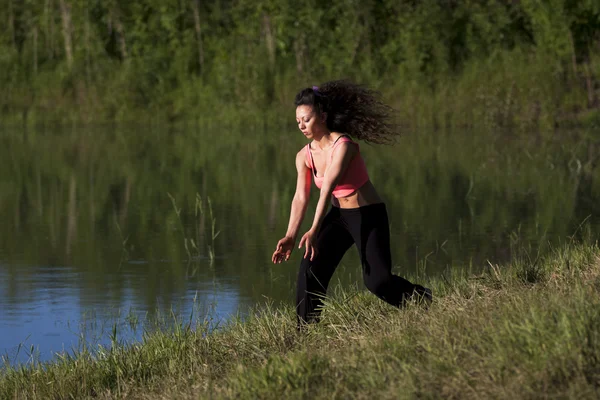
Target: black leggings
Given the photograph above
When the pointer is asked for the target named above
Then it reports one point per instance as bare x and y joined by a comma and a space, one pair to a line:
366, 226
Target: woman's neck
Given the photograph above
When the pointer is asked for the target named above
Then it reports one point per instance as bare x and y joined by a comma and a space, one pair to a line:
327, 140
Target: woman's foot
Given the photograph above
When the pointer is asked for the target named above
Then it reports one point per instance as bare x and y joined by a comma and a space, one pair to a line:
423, 295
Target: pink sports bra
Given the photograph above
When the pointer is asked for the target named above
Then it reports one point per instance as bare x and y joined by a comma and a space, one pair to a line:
355, 176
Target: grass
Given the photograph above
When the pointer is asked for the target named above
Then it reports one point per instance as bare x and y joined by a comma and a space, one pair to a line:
530, 329
524, 90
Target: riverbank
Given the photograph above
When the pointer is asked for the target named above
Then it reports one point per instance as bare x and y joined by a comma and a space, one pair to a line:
528, 329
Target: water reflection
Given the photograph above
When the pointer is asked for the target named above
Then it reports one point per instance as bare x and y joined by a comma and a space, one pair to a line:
100, 223
52, 310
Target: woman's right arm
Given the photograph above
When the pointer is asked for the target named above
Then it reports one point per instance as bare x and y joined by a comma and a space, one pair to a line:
299, 205
301, 197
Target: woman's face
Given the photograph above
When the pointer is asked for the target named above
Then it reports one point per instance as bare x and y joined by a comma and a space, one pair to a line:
310, 124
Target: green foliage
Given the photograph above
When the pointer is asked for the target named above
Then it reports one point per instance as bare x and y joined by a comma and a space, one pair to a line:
178, 59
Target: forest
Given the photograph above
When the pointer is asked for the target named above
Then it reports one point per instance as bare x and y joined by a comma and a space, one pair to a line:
442, 63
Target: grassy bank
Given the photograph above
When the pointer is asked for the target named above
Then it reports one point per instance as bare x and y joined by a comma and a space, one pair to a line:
530, 329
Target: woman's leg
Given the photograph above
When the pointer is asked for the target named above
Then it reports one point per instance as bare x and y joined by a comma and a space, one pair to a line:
369, 227
313, 278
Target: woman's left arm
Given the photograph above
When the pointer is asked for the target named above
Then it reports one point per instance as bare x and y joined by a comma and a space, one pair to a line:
342, 156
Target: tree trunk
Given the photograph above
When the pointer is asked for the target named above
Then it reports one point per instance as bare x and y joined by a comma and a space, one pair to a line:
65, 11
46, 26
35, 46
270, 70
87, 43
198, 27
49, 26
299, 50
11, 24
270, 40
573, 54
120, 33
589, 82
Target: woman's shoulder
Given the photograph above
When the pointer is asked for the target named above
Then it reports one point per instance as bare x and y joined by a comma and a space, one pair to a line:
345, 142
303, 152
345, 138
344, 150
302, 156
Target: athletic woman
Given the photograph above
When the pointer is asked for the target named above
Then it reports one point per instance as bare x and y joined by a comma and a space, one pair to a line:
330, 116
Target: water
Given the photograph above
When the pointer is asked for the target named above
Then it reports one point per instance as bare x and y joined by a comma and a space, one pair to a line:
95, 221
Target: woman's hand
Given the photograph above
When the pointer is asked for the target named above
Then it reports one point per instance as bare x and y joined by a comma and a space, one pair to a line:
308, 240
283, 250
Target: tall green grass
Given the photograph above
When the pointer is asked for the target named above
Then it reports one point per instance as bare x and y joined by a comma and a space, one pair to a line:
515, 91
528, 329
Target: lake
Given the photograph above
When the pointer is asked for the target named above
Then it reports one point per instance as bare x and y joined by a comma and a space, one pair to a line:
105, 227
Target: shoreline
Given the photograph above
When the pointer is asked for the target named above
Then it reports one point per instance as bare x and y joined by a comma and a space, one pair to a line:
530, 327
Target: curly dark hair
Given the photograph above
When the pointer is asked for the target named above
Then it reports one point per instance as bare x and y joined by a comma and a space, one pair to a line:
352, 109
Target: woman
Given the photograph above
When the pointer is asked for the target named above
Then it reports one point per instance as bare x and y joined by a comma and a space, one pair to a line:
329, 116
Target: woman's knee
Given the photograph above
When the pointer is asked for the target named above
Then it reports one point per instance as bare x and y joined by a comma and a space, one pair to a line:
312, 276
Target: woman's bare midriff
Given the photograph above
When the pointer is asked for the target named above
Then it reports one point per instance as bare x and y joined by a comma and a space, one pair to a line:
364, 196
